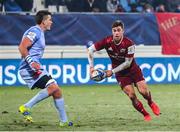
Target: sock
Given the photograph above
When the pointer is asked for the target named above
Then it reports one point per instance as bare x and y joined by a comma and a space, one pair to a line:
139, 107
41, 95
59, 103
148, 98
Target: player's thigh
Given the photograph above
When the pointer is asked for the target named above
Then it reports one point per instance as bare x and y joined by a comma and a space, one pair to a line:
129, 90
124, 81
53, 89
43, 82
137, 75
142, 86
126, 85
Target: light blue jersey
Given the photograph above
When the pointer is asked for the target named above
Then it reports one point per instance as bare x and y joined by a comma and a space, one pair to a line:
36, 35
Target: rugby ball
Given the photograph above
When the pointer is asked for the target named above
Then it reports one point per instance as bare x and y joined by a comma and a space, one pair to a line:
98, 75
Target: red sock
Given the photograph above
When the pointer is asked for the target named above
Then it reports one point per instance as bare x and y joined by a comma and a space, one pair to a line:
139, 107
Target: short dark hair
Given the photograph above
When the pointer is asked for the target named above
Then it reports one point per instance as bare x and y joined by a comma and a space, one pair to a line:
118, 23
40, 16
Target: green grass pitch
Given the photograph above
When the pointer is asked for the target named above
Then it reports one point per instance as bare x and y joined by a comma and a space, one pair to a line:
91, 108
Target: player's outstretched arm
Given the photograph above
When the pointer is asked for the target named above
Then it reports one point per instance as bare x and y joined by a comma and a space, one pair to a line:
90, 52
124, 65
121, 67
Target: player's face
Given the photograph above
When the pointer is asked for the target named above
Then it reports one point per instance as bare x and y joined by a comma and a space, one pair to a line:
117, 33
47, 22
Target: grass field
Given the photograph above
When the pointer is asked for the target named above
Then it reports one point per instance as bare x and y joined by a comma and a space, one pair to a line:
91, 108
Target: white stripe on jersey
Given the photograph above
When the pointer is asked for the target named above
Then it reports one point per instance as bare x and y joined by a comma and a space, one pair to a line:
131, 49
31, 35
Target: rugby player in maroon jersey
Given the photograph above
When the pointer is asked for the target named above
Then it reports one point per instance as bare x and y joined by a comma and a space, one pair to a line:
120, 50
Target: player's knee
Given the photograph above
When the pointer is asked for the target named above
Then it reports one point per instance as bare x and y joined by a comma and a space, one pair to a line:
57, 94
143, 90
132, 96
54, 90
142, 86
51, 89
130, 93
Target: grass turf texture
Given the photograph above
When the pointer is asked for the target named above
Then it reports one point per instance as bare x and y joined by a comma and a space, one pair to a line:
91, 108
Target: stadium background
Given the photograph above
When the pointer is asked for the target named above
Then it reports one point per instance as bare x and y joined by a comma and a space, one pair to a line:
156, 36
65, 58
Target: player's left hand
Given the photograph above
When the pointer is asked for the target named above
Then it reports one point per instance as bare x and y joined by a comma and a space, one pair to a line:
36, 66
109, 73
91, 70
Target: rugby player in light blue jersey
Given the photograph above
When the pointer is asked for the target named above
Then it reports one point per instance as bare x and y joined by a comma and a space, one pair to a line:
32, 72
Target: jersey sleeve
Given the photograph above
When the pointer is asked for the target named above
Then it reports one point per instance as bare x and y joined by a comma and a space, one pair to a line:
33, 34
100, 45
130, 50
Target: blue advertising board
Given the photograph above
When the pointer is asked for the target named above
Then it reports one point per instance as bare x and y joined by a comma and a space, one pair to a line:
76, 71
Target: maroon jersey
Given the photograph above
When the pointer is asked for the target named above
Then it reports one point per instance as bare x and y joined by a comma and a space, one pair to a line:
118, 52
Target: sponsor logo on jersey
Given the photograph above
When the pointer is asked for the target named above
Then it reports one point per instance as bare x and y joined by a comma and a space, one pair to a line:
110, 49
117, 57
122, 50
31, 35
131, 49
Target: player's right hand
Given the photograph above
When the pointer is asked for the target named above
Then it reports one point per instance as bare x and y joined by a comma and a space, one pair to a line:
109, 73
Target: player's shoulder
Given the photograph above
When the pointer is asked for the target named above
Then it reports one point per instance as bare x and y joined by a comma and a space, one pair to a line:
109, 39
33, 33
35, 29
128, 41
